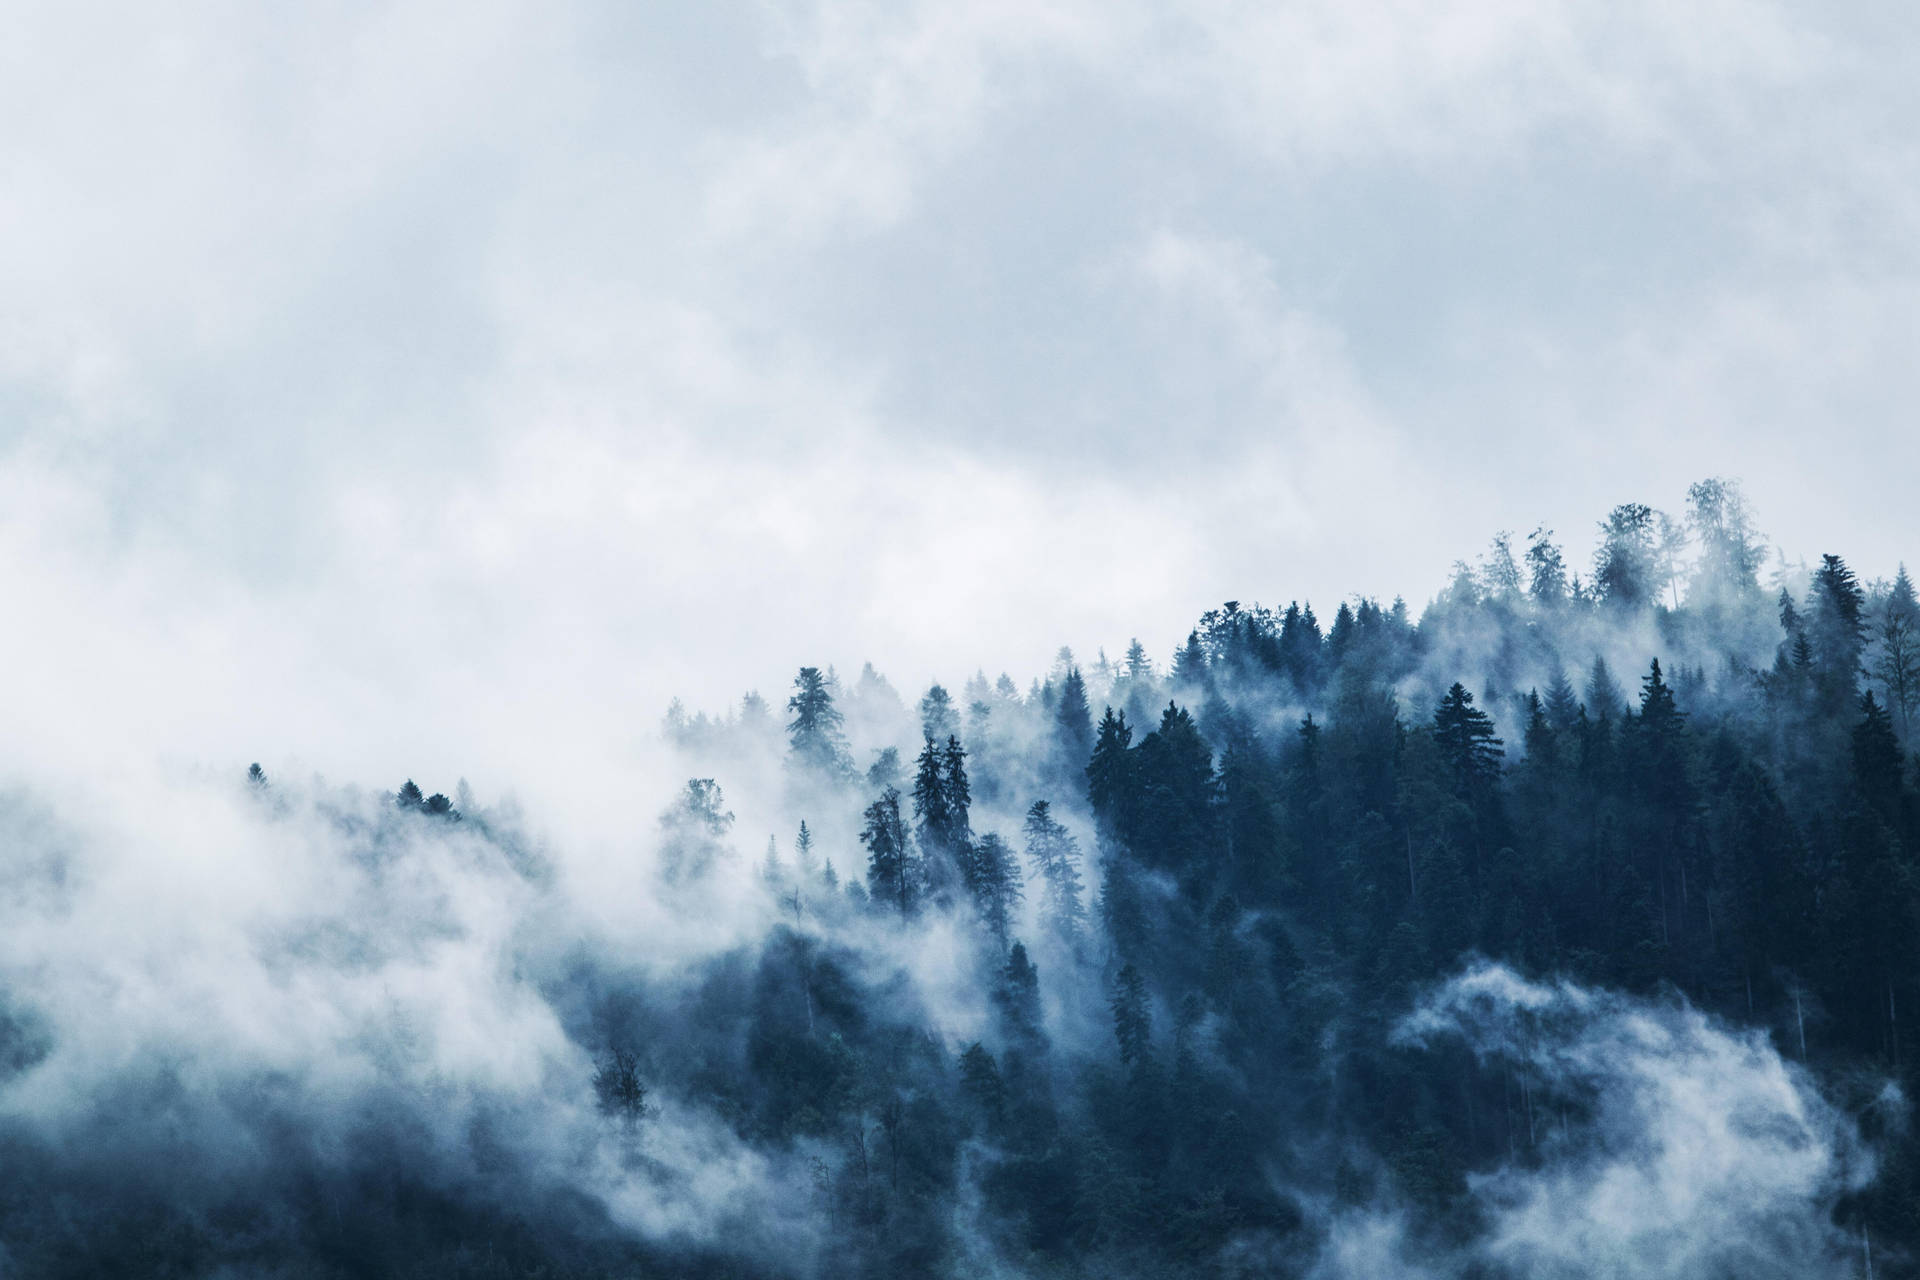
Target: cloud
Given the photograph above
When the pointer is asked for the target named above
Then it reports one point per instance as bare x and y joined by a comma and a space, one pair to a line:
1660, 1142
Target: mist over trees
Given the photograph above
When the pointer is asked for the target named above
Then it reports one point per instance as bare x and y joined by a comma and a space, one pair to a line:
1445, 946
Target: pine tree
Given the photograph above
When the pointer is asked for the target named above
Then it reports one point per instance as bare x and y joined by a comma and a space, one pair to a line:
816, 733
1016, 1001
1898, 664
1055, 856
1073, 725
931, 816
1500, 575
1730, 551
1340, 638
1604, 699
1836, 628
1625, 572
1467, 742
1876, 758
1562, 706
981, 1082
1540, 736
890, 863
938, 719
1546, 569
996, 886
1132, 1023
693, 831
1109, 772
1190, 661
803, 851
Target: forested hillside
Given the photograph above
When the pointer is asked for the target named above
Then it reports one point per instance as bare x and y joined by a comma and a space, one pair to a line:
1565, 929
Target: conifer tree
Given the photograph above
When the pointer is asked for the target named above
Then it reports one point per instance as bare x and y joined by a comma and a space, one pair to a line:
1604, 700
1500, 575
1073, 724
1109, 771
1897, 665
816, 733
996, 885
1562, 706
1467, 742
693, 831
1836, 629
803, 851
1546, 569
1625, 569
1055, 856
938, 717
1730, 550
1132, 1024
891, 873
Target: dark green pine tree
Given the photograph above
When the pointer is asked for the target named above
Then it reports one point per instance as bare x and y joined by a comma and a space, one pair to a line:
1340, 637
1876, 761
1467, 742
932, 817
938, 717
1109, 773
1132, 1023
1624, 567
1562, 704
1604, 699
815, 733
996, 887
1190, 662
803, 851
1073, 725
958, 832
1546, 569
982, 1085
1897, 665
891, 874
1541, 738
1055, 856
1837, 630
1016, 1003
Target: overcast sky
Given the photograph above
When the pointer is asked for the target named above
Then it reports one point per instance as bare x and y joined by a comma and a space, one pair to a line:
438, 387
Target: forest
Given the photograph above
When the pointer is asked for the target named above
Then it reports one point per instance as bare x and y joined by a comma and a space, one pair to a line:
1565, 926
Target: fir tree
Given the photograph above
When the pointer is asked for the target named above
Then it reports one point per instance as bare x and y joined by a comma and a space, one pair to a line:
1897, 666
938, 719
1562, 706
1073, 724
996, 885
816, 732
1836, 629
890, 870
803, 851
1604, 699
1467, 742
1546, 569
1132, 1024
1055, 857
1109, 771
1625, 572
